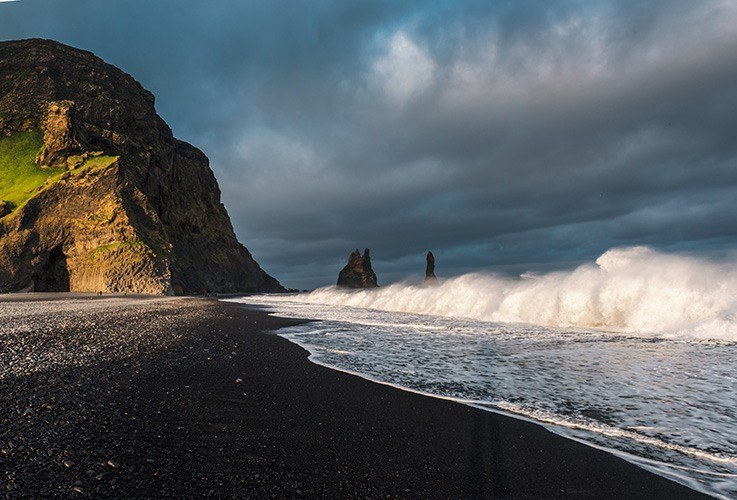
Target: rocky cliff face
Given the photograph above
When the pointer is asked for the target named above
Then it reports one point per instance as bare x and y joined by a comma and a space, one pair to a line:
358, 272
96, 193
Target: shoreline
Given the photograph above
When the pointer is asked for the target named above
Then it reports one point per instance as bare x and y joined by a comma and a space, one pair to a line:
202, 398
486, 407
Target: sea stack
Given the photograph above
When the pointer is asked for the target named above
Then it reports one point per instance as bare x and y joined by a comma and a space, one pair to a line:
96, 194
430, 269
358, 273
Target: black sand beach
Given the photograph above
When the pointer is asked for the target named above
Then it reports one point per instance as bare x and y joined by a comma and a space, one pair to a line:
177, 397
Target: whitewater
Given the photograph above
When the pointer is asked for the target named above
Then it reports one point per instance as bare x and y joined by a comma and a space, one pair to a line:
635, 353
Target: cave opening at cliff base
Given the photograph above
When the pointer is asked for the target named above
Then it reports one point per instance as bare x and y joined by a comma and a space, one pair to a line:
54, 275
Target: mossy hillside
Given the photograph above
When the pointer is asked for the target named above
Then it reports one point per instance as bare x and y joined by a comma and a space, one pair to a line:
96, 162
21, 178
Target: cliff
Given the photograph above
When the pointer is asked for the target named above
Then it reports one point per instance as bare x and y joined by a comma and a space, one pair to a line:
97, 194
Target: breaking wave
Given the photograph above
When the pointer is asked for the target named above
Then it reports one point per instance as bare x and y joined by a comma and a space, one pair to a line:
634, 290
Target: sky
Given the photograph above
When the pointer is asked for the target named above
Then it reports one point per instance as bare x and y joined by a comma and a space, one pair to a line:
503, 136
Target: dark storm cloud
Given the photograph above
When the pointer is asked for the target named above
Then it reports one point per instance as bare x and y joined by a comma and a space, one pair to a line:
496, 134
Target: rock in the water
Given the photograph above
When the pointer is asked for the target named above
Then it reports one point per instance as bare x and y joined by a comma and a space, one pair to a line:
430, 269
126, 207
358, 272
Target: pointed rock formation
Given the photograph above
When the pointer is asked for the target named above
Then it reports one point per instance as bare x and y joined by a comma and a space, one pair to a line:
95, 191
358, 273
430, 269
58, 132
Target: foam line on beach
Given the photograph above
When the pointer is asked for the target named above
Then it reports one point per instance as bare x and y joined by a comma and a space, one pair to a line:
557, 426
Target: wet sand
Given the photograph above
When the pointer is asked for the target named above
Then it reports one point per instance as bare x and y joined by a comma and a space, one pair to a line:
182, 397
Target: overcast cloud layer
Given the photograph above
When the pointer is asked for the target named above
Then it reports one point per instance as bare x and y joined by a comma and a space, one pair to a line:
497, 134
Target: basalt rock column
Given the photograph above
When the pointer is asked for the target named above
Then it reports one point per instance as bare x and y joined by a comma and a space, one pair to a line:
430, 269
358, 272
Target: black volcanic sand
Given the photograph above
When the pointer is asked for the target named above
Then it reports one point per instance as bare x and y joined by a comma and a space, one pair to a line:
133, 397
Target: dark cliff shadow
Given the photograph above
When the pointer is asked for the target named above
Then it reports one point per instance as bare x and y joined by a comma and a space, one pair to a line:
54, 275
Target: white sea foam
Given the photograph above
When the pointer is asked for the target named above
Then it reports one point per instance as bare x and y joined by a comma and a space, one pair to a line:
636, 289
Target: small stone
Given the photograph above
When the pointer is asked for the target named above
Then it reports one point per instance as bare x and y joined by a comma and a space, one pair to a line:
78, 490
68, 464
112, 465
238, 381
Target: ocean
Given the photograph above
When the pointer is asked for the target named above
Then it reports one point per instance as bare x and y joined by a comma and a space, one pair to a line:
635, 353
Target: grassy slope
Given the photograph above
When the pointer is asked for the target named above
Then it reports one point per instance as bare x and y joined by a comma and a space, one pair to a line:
20, 177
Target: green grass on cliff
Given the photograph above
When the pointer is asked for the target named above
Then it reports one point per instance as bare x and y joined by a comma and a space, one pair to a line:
21, 179
136, 246
129, 252
98, 162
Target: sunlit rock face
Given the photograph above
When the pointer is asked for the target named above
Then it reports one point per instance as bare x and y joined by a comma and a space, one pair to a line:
95, 192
